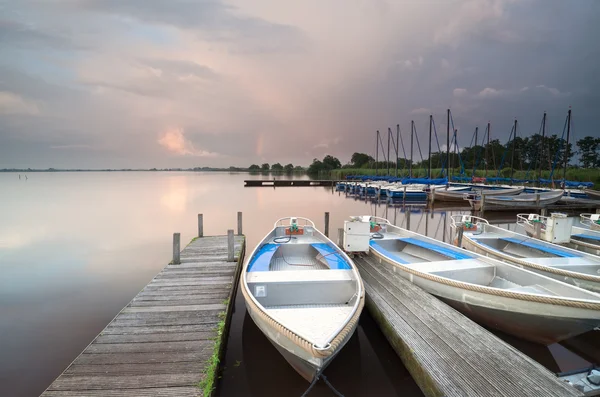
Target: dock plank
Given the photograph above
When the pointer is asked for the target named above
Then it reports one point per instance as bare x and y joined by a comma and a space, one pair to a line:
159, 344
446, 353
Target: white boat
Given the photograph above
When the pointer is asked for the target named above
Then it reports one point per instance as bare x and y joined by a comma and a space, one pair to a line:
457, 193
591, 220
558, 229
561, 263
493, 293
519, 201
304, 293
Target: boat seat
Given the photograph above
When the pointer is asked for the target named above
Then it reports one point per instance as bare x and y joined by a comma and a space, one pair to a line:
334, 259
448, 252
471, 271
541, 247
262, 258
302, 287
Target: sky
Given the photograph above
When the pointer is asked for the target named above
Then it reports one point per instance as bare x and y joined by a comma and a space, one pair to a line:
192, 83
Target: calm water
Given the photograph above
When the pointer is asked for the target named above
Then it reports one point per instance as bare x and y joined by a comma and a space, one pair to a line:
76, 247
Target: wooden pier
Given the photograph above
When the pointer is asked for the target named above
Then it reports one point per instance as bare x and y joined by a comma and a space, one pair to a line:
167, 340
288, 182
446, 353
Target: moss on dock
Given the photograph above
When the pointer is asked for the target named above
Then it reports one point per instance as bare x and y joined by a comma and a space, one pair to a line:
210, 373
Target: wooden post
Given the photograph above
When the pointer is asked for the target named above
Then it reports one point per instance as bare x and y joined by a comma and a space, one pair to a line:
404, 196
230, 246
597, 210
537, 200
340, 241
459, 237
408, 219
326, 224
537, 227
176, 248
239, 228
482, 209
544, 212
200, 226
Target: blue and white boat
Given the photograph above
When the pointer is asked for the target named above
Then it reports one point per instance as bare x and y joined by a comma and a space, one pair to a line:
497, 294
561, 263
304, 293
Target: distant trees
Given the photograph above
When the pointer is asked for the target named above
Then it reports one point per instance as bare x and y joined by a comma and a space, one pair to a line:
589, 149
265, 167
329, 163
361, 160
254, 167
289, 168
277, 167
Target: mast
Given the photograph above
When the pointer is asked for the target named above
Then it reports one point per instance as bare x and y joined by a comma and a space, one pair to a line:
397, 147
377, 154
388, 156
542, 149
455, 148
512, 159
474, 149
448, 145
412, 129
430, 122
486, 148
567, 149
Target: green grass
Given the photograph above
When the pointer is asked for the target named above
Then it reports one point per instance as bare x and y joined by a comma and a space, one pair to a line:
207, 384
573, 174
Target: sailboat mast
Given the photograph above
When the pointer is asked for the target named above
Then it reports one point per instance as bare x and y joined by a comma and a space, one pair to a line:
567, 149
388, 154
397, 147
512, 159
430, 122
486, 148
377, 154
448, 145
412, 129
542, 149
474, 150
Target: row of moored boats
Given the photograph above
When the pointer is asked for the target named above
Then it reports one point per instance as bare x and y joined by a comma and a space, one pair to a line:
306, 294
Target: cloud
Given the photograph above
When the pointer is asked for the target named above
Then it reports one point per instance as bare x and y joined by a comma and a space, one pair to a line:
491, 93
459, 92
11, 103
174, 141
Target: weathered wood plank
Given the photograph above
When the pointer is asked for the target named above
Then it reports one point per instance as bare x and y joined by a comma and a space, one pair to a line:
150, 392
159, 337
159, 343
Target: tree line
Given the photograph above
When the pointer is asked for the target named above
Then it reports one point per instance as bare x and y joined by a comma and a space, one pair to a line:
277, 167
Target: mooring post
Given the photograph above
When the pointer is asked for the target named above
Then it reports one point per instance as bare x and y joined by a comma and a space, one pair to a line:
176, 248
200, 225
340, 241
482, 209
230, 246
326, 224
404, 196
239, 228
459, 236
537, 229
544, 211
407, 218
597, 210
537, 200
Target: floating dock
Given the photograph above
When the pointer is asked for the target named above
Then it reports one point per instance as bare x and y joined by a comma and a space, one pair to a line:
288, 182
164, 341
446, 353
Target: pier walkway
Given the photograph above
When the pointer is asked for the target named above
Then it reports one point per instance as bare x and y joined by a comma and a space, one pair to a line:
446, 353
162, 342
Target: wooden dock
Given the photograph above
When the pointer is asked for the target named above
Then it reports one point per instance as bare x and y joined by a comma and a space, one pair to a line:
288, 182
162, 343
446, 353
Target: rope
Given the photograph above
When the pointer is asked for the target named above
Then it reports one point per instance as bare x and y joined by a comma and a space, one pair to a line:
494, 291
314, 382
337, 393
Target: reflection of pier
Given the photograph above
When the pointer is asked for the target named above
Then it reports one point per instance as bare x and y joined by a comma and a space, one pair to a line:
288, 182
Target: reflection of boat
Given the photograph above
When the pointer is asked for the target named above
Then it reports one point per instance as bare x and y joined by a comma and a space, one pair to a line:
558, 229
458, 193
586, 380
304, 293
519, 201
561, 263
494, 293
591, 220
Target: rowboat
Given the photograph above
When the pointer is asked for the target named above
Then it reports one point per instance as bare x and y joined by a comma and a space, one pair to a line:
559, 229
593, 194
591, 220
303, 293
458, 193
560, 263
493, 293
519, 201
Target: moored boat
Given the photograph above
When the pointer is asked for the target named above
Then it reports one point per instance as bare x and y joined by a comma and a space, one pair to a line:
494, 293
304, 293
527, 200
593, 194
591, 220
458, 193
561, 263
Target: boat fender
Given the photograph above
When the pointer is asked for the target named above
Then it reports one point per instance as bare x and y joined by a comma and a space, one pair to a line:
594, 377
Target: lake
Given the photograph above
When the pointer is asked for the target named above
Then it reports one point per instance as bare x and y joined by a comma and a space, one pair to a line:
76, 247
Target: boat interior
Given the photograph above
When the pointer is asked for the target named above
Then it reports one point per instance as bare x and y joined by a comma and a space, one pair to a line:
460, 265
303, 282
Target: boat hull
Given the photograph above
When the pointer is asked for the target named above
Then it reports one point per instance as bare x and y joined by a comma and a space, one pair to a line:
535, 321
517, 201
572, 280
458, 195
